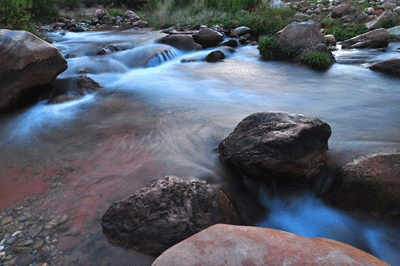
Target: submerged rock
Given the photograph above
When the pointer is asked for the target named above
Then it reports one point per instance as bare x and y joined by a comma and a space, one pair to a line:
370, 184
245, 245
278, 145
27, 63
166, 212
378, 38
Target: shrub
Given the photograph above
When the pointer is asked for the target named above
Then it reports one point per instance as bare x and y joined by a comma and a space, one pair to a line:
115, 12
342, 34
15, 14
71, 4
44, 10
318, 60
270, 49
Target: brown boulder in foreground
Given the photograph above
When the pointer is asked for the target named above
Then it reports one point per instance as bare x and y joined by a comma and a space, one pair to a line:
26, 62
278, 145
244, 245
166, 212
370, 184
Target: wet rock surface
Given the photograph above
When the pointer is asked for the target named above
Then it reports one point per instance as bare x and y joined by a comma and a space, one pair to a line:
245, 245
390, 66
278, 145
27, 64
166, 212
370, 184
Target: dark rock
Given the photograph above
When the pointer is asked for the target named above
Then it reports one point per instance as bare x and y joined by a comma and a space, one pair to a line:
230, 43
370, 184
215, 56
278, 145
27, 63
181, 41
374, 39
341, 10
112, 48
195, 27
390, 66
299, 36
25, 261
72, 88
140, 24
208, 38
240, 31
254, 246
189, 60
166, 212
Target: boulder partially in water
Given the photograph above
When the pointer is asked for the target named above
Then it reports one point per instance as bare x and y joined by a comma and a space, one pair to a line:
390, 66
299, 36
215, 56
278, 145
246, 245
73, 88
27, 63
166, 212
208, 37
181, 41
378, 38
370, 184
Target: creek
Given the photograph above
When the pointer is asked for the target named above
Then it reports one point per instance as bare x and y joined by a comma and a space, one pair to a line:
158, 116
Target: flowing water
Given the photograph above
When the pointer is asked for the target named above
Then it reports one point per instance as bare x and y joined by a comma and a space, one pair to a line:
158, 116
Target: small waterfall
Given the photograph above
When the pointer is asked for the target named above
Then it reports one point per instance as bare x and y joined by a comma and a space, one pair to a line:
162, 58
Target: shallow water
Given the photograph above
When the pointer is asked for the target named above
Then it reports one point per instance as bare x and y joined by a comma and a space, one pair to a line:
158, 116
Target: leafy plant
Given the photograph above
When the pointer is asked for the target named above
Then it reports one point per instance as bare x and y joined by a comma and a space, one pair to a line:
115, 12
71, 4
342, 34
318, 60
271, 49
44, 10
15, 14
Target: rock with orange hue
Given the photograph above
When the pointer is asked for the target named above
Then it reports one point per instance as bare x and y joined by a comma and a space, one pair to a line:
278, 145
166, 212
27, 63
370, 184
245, 245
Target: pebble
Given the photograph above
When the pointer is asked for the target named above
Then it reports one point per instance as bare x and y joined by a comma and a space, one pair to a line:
6, 220
35, 231
26, 242
16, 233
2, 255
38, 244
21, 250
57, 221
11, 240
26, 260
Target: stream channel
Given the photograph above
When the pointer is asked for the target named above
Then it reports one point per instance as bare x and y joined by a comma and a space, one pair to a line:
157, 116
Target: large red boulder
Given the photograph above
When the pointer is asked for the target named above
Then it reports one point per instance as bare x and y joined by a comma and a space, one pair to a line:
370, 184
245, 245
27, 62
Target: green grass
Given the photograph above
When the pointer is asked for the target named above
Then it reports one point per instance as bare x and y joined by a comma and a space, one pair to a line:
270, 49
318, 60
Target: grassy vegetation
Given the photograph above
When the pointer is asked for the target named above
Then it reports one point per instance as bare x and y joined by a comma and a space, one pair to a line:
270, 49
318, 60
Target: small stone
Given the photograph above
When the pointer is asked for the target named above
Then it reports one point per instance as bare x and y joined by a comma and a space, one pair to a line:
44, 264
1, 248
6, 220
11, 240
35, 231
26, 242
13, 262
38, 244
47, 240
57, 221
26, 260
23, 219
16, 233
2, 255
21, 250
